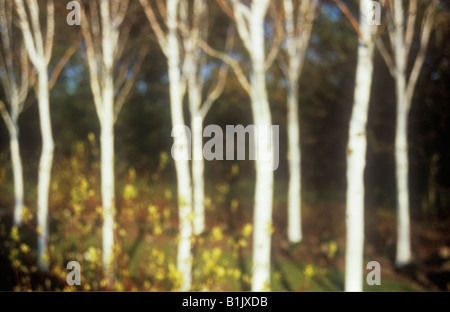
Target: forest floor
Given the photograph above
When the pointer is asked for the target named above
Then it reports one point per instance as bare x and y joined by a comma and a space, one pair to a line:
223, 253
318, 262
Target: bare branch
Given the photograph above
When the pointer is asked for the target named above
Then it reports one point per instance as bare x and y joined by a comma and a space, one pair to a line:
5, 79
427, 27
160, 34
283, 66
242, 16
307, 14
131, 79
279, 37
119, 12
6, 117
50, 30
26, 82
386, 56
95, 24
226, 8
63, 61
123, 35
28, 37
390, 22
6, 62
107, 40
217, 89
92, 63
229, 61
16, 90
161, 8
122, 75
411, 23
33, 8
344, 9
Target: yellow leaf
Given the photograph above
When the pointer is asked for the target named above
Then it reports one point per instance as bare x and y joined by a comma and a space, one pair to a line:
129, 192
309, 270
24, 248
26, 214
217, 233
15, 233
248, 229
333, 247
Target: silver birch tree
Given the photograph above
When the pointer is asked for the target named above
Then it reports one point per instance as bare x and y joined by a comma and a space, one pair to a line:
356, 152
170, 44
193, 24
16, 84
250, 20
105, 35
401, 32
39, 49
298, 23
187, 29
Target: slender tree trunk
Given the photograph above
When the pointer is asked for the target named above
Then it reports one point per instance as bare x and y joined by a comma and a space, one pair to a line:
17, 173
294, 155
262, 214
356, 158
197, 172
45, 167
107, 176
299, 16
184, 257
403, 252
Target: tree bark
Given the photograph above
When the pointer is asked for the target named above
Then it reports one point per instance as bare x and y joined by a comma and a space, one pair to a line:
107, 180
401, 43
16, 160
298, 22
403, 252
197, 172
262, 214
184, 256
356, 157
294, 158
45, 167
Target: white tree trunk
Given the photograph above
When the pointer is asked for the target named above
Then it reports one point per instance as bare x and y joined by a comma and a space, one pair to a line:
184, 259
294, 158
403, 252
197, 173
356, 157
102, 36
184, 256
299, 17
262, 214
39, 50
17, 173
45, 167
107, 176
16, 95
